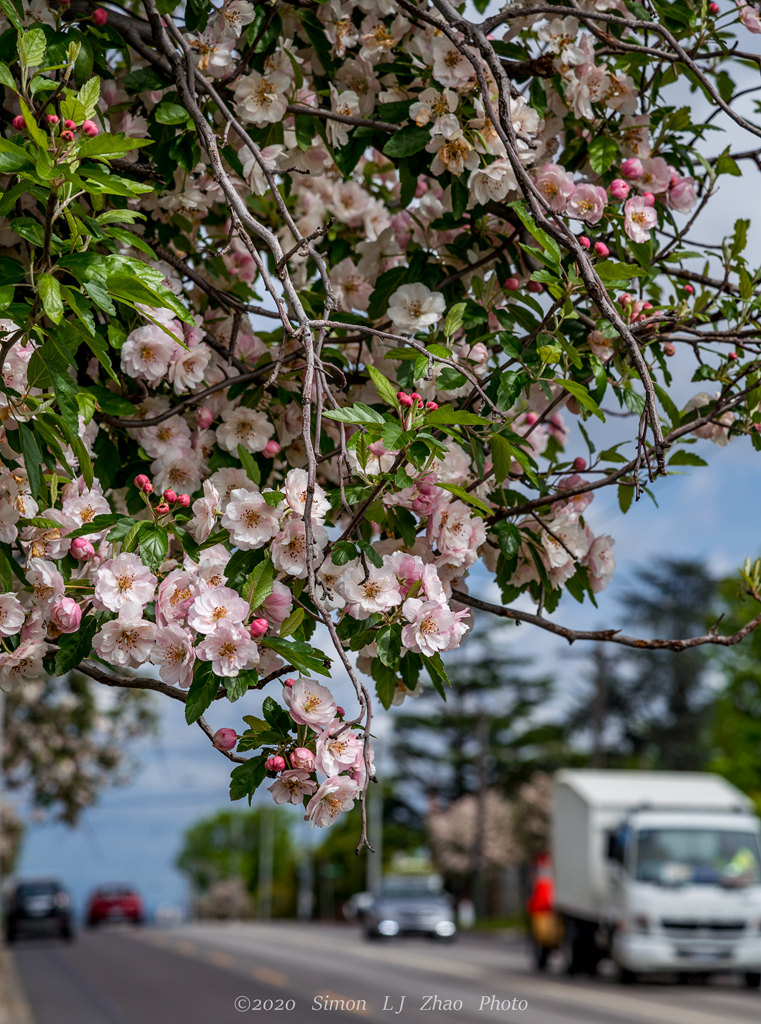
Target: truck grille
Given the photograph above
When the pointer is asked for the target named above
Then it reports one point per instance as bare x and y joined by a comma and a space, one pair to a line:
677, 929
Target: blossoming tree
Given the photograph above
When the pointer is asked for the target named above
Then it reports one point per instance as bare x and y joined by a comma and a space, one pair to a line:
301, 301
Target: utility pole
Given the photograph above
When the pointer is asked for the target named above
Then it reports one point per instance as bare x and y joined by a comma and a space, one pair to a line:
266, 857
601, 663
479, 839
374, 864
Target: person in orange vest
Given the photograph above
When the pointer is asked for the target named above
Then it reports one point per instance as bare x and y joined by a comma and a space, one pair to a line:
544, 924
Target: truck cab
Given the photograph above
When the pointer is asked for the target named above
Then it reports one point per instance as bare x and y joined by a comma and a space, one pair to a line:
661, 871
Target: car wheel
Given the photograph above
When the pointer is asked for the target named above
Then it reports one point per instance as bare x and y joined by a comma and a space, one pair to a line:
627, 977
752, 979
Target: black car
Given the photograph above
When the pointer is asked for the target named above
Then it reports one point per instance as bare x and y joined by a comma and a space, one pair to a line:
38, 907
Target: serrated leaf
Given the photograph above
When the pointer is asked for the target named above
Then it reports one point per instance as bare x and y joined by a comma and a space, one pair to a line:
202, 692
250, 465
407, 141
50, 294
683, 458
259, 584
73, 648
293, 622
357, 413
237, 686
32, 46
246, 778
88, 96
603, 152
466, 496
154, 544
301, 655
582, 396
384, 387
438, 674
447, 415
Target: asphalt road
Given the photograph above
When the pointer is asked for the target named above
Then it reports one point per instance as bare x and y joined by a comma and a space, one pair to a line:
220, 974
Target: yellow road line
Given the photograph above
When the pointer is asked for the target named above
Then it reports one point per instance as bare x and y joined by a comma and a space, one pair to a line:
270, 977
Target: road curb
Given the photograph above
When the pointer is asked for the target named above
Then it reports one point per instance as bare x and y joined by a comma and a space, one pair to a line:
14, 1008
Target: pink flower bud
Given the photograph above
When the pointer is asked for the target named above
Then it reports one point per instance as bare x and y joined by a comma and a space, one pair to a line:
204, 417
579, 464
99, 16
141, 480
625, 299
90, 128
170, 496
649, 198
619, 189
64, 3
601, 249
275, 763
70, 125
431, 405
732, 355
689, 289
512, 284
67, 136
289, 682
339, 711
66, 615
421, 189
531, 418
271, 449
420, 404
534, 286
19, 123
406, 401
162, 509
147, 488
669, 348
415, 396
647, 305
632, 168
82, 549
258, 628
585, 242
183, 500
713, 8
225, 739
52, 119
302, 757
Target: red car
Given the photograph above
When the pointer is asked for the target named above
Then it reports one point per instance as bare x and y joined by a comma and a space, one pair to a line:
115, 903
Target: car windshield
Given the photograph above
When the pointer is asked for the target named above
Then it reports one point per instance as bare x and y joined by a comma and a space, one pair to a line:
681, 856
38, 889
409, 891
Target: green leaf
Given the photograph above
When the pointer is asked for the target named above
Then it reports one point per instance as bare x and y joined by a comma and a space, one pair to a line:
357, 413
454, 319
170, 113
73, 648
293, 622
259, 583
508, 538
502, 457
32, 46
109, 147
6, 6
438, 674
154, 544
101, 522
238, 686
683, 458
465, 496
625, 496
548, 243
65, 390
246, 778
202, 692
611, 270
407, 141
276, 716
582, 396
384, 387
301, 655
446, 415
89, 95
342, 552
30, 449
603, 152
50, 294
250, 465
389, 645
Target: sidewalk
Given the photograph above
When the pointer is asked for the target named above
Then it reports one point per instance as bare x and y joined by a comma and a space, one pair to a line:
14, 1008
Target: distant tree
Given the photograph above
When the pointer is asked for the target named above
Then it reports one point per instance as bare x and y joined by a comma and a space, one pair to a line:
485, 735
231, 846
66, 739
653, 708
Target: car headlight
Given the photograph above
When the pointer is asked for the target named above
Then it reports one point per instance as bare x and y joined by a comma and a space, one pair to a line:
445, 929
388, 927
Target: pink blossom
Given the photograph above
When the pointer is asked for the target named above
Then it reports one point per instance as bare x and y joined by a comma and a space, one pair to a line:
289, 547
601, 562
556, 185
224, 739
292, 787
205, 511
251, 521
82, 549
213, 608
258, 628
456, 533
588, 203
11, 615
374, 590
334, 795
146, 353
177, 591
174, 654
303, 757
296, 495
639, 219
632, 168
229, 648
22, 664
204, 417
271, 449
127, 639
656, 175
619, 189
275, 764
682, 195
278, 606
749, 16
309, 703
123, 581
47, 583
66, 615
334, 753
432, 627
243, 426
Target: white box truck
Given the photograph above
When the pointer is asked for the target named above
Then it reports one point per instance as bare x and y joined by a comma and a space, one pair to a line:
661, 871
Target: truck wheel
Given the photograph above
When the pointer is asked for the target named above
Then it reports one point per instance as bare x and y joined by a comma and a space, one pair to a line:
579, 950
752, 979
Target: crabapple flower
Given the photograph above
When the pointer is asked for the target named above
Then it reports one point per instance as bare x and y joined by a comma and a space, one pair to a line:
556, 185
682, 195
243, 426
374, 590
601, 562
229, 648
413, 307
251, 521
174, 654
334, 795
259, 100
213, 608
335, 753
432, 627
205, 511
66, 615
492, 182
146, 353
289, 548
587, 203
47, 583
278, 606
123, 581
302, 757
292, 786
11, 615
310, 703
127, 639
296, 495
639, 219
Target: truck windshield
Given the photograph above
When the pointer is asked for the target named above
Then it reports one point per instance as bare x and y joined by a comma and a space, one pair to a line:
683, 856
